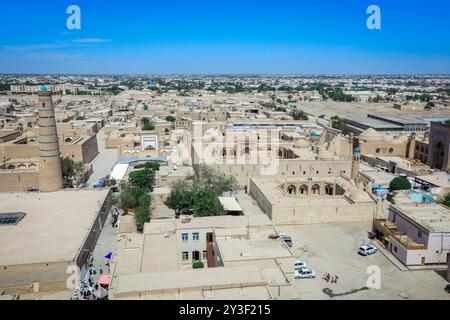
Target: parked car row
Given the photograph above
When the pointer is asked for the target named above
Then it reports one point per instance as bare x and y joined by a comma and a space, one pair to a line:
301, 270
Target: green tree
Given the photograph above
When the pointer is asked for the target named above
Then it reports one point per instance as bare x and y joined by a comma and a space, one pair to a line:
400, 183
143, 178
199, 194
127, 201
299, 115
170, 118
181, 197
339, 124
429, 105
212, 178
141, 216
207, 203
153, 165
446, 200
148, 127
139, 200
111, 182
74, 170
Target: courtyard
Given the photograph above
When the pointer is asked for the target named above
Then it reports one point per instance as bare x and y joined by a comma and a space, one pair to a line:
332, 248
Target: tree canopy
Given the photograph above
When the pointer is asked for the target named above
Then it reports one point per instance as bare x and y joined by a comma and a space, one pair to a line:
142, 178
299, 115
338, 123
139, 200
199, 194
446, 200
147, 125
170, 118
400, 183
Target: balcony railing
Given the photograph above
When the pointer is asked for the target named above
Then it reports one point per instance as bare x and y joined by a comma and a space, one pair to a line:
390, 229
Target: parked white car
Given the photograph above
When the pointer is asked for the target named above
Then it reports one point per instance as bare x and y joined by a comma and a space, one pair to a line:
366, 250
304, 273
299, 264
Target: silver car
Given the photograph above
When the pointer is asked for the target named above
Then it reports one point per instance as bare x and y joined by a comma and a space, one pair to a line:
366, 250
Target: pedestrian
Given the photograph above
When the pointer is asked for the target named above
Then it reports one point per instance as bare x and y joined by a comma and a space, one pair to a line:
100, 269
94, 270
336, 278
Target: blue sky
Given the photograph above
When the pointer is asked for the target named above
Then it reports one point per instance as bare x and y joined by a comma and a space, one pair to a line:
227, 37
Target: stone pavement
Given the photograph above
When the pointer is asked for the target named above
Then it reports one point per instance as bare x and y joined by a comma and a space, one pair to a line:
103, 164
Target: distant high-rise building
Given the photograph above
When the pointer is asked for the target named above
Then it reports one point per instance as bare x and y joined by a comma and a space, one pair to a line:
50, 171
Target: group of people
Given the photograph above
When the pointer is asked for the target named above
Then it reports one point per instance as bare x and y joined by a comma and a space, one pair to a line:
115, 216
328, 278
89, 287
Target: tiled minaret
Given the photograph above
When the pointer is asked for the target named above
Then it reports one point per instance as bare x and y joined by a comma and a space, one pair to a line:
50, 171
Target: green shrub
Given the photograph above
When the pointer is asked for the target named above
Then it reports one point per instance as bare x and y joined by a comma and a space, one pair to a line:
198, 265
170, 119
400, 183
148, 127
154, 165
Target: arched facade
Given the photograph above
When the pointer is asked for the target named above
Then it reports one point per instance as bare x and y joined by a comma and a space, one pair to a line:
311, 188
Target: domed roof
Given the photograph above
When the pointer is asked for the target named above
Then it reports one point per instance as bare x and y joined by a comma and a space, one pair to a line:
301, 143
369, 134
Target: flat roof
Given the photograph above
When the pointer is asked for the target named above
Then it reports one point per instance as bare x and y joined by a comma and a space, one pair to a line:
54, 228
244, 293
258, 246
119, 171
379, 177
373, 123
401, 120
440, 179
230, 204
217, 222
433, 217
189, 279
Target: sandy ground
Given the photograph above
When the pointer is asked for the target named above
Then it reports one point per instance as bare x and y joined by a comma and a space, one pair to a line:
331, 108
333, 248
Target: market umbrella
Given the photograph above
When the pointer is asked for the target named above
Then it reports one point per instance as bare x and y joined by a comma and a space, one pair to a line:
108, 256
104, 280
